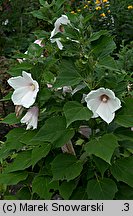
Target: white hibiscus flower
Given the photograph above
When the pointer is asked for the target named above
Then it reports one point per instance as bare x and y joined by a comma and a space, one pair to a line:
25, 89
31, 118
103, 102
63, 20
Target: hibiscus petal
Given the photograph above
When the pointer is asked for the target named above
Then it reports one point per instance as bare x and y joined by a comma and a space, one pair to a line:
31, 118
109, 93
93, 104
29, 99
18, 94
59, 44
114, 104
27, 77
34, 122
105, 112
17, 82
26, 117
24, 96
62, 20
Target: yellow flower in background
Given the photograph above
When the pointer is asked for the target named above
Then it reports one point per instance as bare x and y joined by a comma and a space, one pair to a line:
89, 2
85, 6
98, 8
130, 7
102, 15
104, 1
108, 11
72, 12
78, 10
98, 2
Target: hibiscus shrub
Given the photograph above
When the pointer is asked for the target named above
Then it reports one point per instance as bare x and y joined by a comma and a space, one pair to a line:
74, 95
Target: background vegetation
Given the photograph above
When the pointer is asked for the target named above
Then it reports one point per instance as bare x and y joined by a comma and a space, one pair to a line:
32, 164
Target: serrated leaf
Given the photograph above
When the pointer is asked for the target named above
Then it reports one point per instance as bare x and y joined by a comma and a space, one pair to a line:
12, 178
101, 165
79, 194
125, 192
38, 14
21, 162
24, 194
96, 35
122, 170
59, 3
66, 189
54, 130
103, 147
35, 50
17, 70
11, 119
68, 75
103, 46
42, 2
66, 167
124, 134
12, 142
125, 115
40, 152
75, 111
108, 63
103, 189
42, 185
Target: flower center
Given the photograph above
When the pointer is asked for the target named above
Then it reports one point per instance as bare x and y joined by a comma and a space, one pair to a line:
104, 98
61, 28
32, 86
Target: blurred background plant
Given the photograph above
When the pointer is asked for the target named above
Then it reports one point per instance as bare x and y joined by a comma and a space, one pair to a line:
27, 164
17, 25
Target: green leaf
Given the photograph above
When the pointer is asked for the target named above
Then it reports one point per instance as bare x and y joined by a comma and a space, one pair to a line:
103, 46
125, 115
24, 194
12, 178
75, 111
79, 194
103, 147
96, 35
34, 50
27, 136
101, 165
43, 99
124, 134
42, 2
66, 167
64, 138
68, 75
21, 162
125, 192
122, 170
38, 14
42, 185
103, 189
17, 70
108, 63
7, 97
11, 119
66, 189
40, 152
12, 142
54, 130
46, 4
59, 3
